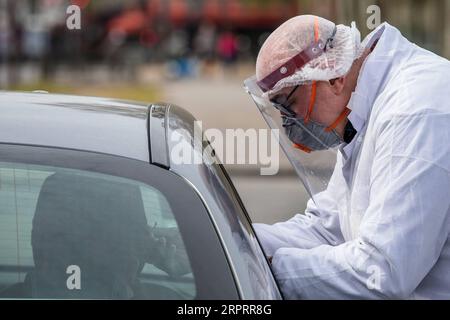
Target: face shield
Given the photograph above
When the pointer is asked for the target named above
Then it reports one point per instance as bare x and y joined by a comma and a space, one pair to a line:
313, 168
327, 53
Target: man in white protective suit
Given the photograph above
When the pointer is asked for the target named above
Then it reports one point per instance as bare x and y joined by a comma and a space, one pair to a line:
366, 126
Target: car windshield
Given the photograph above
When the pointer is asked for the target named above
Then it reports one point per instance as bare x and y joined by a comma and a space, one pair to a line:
67, 233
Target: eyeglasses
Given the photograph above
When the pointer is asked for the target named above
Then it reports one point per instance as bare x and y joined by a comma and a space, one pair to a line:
285, 107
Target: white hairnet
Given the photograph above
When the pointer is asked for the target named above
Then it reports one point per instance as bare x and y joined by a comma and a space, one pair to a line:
294, 36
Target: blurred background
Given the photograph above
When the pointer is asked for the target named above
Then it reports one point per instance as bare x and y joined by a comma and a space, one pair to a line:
194, 53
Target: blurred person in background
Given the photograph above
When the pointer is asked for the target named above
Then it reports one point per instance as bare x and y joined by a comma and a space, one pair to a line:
227, 48
204, 45
5, 34
180, 64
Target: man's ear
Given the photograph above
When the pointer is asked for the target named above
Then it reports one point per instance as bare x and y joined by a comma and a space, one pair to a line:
337, 85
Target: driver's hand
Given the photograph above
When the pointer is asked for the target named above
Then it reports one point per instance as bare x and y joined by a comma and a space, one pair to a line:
168, 252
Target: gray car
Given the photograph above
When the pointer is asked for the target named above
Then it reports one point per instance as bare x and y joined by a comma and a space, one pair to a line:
93, 206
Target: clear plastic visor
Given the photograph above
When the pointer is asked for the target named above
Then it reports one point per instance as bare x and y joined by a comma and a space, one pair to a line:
314, 169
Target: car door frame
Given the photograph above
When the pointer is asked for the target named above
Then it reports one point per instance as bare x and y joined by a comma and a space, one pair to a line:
254, 277
214, 279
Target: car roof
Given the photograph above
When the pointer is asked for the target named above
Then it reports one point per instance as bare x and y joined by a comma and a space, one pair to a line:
86, 123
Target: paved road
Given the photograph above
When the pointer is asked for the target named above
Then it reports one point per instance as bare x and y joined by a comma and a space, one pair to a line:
271, 199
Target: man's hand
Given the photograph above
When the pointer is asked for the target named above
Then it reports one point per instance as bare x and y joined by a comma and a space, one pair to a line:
168, 252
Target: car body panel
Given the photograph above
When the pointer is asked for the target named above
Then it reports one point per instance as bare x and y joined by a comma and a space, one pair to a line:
85, 123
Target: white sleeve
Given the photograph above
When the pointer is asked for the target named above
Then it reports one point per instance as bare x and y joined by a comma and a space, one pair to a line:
309, 230
403, 231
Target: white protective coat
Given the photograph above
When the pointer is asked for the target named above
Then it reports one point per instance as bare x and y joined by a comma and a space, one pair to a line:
381, 229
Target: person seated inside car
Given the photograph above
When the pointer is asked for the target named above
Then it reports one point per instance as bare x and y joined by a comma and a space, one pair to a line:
96, 230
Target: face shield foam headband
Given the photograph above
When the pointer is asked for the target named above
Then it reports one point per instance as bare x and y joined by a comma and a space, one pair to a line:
313, 51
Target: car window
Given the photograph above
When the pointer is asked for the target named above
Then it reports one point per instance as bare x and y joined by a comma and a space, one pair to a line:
67, 233
157, 209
